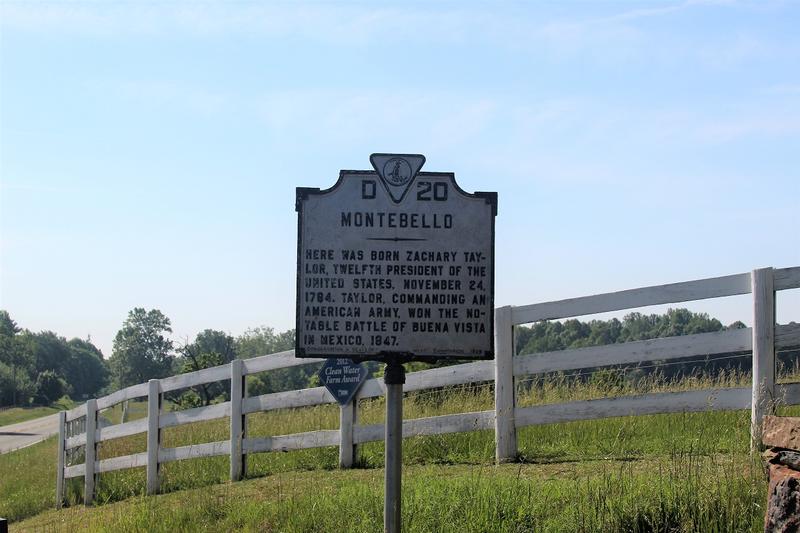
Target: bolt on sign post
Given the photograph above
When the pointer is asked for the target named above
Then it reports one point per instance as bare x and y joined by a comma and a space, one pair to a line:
395, 265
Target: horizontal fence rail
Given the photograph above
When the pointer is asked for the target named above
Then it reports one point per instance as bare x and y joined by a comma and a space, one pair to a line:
737, 340
80, 427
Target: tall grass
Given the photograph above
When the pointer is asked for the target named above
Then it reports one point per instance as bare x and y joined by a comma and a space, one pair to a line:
694, 451
672, 494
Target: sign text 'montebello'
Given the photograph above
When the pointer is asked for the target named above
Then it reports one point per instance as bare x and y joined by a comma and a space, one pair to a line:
395, 261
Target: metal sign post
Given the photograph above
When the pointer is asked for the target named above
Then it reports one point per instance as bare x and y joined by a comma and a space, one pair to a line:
394, 265
394, 378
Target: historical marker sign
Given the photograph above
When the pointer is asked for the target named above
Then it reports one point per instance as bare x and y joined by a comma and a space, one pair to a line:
342, 378
395, 262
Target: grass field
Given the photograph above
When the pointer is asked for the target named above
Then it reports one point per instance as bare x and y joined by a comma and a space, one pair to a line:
676, 472
15, 415
672, 494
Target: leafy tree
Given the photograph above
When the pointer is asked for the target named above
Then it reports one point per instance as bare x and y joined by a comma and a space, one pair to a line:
15, 363
77, 362
16, 387
49, 387
210, 348
8, 328
26, 356
141, 349
49, 351
604, 332
264, 341
554, 336
85, 370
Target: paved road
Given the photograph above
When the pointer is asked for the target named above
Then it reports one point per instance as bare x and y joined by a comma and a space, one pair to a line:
27, 433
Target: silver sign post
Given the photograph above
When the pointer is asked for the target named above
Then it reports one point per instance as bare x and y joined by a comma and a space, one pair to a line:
394, 378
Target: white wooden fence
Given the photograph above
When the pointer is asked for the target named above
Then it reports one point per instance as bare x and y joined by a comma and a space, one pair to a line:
79, 427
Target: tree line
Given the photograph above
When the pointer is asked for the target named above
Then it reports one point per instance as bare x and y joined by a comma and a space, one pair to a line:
43, 367
40, 368
550, 336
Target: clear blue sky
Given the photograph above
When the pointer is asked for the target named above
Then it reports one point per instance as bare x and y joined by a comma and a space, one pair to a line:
150, 151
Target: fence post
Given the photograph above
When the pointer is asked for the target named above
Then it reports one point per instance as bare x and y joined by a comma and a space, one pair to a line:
237, 422
90, 453
347, 419
153, 434
244, 423
62, 435
505, 432
762, 287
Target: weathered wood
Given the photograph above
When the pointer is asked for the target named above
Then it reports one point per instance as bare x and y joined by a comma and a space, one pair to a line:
781, 432
347, 421
119, 463
209, 375
74, 471
153, 435
735, 340
288, 399
476, 371
62, 432
296, 441
91, 452
274, 361
194, 451
435, 425
128, 393
787, 336
257, 445
195, 414
305, 397
76, 412
117, 431
763, 352
505, 429
74, 442
788, 394
627, 299
236, 419
786, 278
373, 388
642, 404
198, 377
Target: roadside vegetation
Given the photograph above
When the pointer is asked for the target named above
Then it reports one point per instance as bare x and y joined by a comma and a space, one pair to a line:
673, 472
669, 494
39, 368
14, 415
